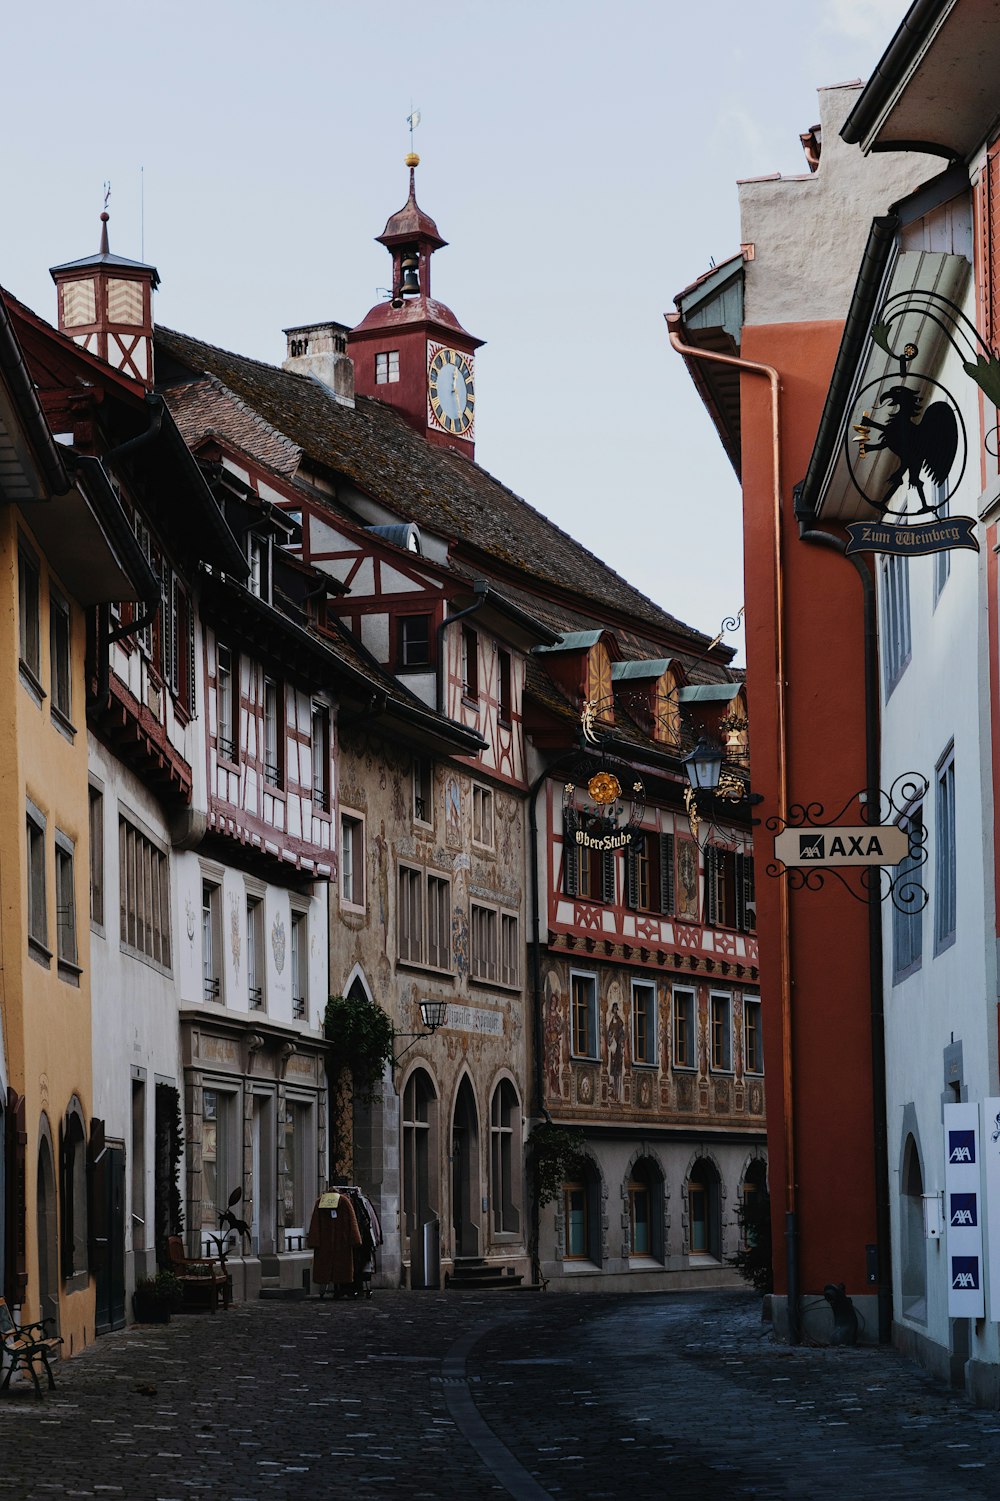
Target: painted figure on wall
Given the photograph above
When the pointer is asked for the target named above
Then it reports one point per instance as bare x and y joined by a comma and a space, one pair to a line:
453, 812
554, 1027
687, 879
616, 1052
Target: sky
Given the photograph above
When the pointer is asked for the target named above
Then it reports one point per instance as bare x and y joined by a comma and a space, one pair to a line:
579, 156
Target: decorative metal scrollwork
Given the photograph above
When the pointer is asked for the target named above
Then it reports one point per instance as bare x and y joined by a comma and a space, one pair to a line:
900, 805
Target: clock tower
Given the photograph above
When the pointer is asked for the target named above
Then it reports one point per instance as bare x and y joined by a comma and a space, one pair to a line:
411, 351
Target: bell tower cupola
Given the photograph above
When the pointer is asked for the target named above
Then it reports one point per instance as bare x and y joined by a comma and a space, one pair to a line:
410, 351
106, 304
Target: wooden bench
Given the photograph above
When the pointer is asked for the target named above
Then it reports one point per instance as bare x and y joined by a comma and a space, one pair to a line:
203, 1279
25, 1345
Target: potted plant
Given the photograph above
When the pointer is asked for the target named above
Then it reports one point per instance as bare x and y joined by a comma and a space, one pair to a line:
155, 1298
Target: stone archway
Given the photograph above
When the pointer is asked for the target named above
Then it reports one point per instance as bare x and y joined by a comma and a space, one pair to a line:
466, 1175
47, 1225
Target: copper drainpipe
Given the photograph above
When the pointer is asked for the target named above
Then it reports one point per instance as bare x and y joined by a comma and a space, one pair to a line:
791, 1225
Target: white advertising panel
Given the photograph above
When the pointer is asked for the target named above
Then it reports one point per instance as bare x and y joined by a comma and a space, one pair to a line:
991, 1190
963, 1212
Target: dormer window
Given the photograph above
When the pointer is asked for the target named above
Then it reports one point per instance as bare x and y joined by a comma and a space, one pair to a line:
387, 367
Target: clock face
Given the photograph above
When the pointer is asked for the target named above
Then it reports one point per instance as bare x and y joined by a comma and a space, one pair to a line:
451, 391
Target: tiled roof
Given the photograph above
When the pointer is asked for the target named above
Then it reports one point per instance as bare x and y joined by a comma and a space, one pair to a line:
377, 451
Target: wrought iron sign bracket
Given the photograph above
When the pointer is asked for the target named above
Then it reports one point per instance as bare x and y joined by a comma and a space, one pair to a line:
875, 857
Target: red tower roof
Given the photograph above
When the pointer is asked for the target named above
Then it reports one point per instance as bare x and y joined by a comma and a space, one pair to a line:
411, 223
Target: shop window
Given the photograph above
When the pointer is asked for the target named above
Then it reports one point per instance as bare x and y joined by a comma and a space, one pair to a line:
299, 1169
576, 1209
913, 1245
704, 1223
419, 1119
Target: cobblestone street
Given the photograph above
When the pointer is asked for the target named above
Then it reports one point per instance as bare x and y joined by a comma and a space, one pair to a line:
440, 1395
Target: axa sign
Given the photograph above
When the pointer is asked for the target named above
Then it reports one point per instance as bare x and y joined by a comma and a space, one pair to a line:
962, 1146
965, 1273
876, 844
963, 1209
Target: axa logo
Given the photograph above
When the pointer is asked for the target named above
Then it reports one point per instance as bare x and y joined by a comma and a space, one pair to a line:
961, 1146
965, 1273
963, 1209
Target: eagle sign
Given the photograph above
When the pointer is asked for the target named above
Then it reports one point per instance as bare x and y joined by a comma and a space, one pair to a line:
922, 444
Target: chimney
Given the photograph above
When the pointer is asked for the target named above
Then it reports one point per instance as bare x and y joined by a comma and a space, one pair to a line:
320, 349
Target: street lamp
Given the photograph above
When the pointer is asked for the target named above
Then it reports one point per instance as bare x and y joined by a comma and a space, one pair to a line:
433, 1014
704, 766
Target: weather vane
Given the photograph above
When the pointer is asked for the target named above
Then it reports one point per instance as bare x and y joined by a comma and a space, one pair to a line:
107, 195
413, 120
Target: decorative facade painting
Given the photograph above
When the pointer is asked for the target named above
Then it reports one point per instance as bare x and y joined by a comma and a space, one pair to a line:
554, 1029
687, 878
278, 943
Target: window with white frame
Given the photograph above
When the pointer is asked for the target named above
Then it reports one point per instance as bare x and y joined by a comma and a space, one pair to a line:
643, 1022
211, 940
300, 964
387, 367
321, 756
259, 556
96, 810
482, 816
38, 922
945, 854
908, 917
273, 732
484, 924
684, 1028
144, 895
255, 953
721, 1033
410, 915
66, 948
352, 860
895, 633
60, 660
753, 1047
583, 1003
226, 700
423, 789
414, 640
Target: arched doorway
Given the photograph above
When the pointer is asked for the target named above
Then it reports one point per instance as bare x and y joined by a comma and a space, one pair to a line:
466, 1178
913, 1247
419, 1150
582, 1238
48, 1241
704, 1217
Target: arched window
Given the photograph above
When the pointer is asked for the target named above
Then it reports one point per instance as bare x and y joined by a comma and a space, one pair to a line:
505, 1159
704, 1219
645, 1210
913, 1247
418, 1126
582, 1215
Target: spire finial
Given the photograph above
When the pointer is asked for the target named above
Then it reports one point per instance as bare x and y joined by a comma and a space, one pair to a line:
411, 159
105, 216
